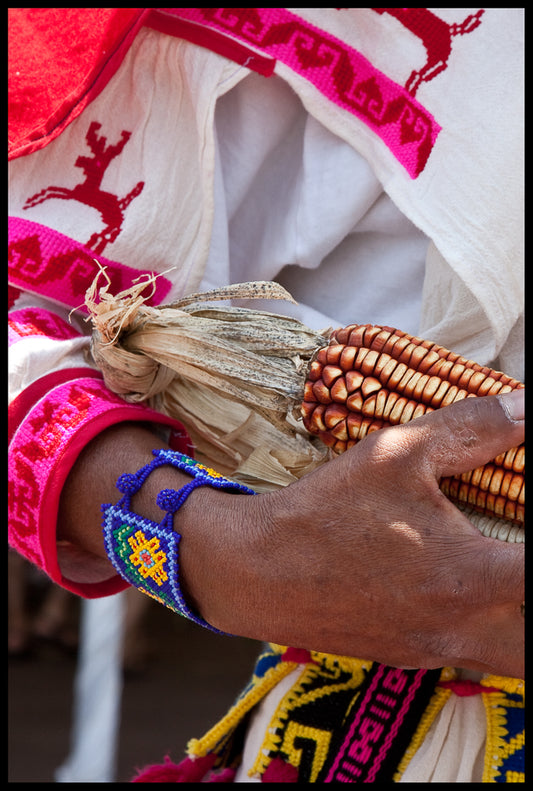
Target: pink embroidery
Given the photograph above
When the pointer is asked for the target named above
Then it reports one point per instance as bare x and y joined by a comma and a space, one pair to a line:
37, 446
378, 719
42, 451
90, 192
31, 322
43, 261
338, 71
435, 34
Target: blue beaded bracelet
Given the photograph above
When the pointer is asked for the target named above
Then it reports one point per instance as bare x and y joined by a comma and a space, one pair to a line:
145, 553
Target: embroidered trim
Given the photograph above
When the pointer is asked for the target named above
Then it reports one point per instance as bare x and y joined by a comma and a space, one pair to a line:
37, 322
40, 388
45, 262
270, 669
338, 71
379, 719
505, 750
312, 711
306, 731
145, 553
296, 739
45, 445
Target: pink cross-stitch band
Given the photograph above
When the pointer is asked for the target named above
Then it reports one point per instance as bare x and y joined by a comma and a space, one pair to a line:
47, 437
46, 262
341, 73
37, 322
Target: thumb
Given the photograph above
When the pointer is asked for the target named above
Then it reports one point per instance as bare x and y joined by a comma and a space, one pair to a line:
472, 432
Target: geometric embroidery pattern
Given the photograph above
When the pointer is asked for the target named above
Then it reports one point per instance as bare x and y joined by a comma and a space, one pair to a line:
338, 71
46, 262
146, 553
147, 557
505, 708
334, 702
329, 701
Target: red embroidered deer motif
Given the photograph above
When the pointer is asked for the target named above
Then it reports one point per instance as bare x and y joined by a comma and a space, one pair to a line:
435, 34
90, 192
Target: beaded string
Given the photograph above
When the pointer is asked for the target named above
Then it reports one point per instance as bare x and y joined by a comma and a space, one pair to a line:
146, 553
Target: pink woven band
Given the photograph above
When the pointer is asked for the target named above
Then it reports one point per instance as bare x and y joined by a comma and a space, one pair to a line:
43, 261
52, 421
338, 71
37, 322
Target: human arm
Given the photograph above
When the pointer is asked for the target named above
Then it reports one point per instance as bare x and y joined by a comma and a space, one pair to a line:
57, 405
363, 557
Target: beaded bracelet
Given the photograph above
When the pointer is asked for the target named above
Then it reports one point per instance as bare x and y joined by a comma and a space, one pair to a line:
144, 552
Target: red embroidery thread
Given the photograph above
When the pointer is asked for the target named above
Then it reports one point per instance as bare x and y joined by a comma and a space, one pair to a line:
90, 192
435, 34
465, 688
45, 262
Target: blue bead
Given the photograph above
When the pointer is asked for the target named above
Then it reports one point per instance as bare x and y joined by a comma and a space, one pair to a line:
128, 483
168, 500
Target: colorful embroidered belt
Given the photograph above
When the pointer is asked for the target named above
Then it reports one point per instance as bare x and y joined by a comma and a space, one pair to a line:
350, 720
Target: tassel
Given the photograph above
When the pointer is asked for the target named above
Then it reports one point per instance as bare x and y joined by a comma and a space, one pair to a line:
188, 771
278, 771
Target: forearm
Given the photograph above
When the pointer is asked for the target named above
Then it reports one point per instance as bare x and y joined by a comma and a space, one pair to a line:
364, 557
214, 538
120, 449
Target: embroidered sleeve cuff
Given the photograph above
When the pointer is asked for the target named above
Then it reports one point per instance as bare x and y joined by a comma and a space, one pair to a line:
49, 424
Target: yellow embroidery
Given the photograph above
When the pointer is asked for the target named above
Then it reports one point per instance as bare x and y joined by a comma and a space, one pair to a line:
320, 739
501, 746
215, 738
289, 736
329, 665
147, 556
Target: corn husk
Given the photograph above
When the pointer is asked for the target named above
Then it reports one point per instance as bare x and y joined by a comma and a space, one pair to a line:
233, 376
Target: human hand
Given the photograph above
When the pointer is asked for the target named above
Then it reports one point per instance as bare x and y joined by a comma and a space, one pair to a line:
366, 557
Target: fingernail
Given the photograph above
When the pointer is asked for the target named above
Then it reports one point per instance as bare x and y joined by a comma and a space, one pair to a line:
513, 404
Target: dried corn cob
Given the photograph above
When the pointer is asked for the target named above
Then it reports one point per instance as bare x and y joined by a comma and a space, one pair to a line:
240, 379
369, 377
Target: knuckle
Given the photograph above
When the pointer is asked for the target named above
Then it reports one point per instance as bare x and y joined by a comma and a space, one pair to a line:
465, 422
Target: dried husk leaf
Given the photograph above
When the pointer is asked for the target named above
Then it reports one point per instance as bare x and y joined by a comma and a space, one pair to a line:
233, 376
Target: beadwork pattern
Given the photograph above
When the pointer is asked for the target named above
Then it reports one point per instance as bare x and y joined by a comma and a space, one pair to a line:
146, 553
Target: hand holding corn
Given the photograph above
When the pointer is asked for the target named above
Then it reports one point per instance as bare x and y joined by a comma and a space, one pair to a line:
363, 555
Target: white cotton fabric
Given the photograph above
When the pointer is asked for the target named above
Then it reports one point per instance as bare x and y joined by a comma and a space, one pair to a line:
469, 199
453, 750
